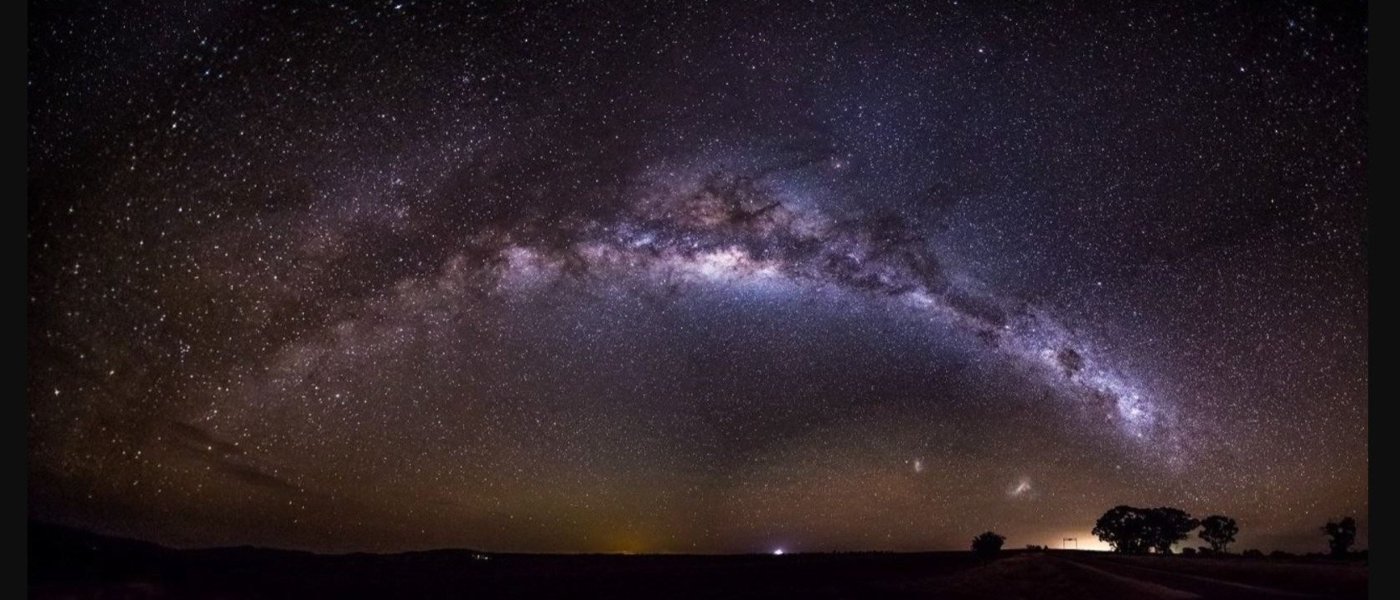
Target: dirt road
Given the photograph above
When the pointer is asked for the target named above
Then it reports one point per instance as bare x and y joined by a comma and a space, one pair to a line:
1186, 578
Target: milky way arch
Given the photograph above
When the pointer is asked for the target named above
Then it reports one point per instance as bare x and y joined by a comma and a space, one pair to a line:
739, 276
744, 231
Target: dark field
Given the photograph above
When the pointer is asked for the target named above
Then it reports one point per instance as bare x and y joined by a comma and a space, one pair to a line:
70, 564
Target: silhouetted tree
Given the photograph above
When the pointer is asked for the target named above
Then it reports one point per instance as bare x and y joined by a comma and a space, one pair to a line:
1188, 551
1166, 526
1218, 531
1342, 534
1125, 528
1133, 530
1252, 553
988, 543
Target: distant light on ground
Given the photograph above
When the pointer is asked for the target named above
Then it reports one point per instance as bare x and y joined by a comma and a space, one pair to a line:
778, 552
1079, 540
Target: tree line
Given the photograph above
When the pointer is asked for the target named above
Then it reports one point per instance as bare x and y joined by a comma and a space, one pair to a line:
1132, 530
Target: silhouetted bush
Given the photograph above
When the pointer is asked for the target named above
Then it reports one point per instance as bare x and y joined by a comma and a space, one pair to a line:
1281, 554
1342, 535
1034, 547
988, 543
1188, 551
1252, 553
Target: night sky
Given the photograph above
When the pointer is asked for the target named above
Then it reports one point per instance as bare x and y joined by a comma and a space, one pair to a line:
728, 278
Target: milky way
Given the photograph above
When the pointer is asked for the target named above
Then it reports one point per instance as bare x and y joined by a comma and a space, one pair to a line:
731, 230
710, 279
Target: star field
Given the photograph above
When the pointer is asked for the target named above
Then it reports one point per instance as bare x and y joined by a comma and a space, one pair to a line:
652, 278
